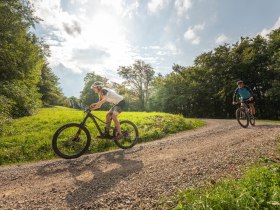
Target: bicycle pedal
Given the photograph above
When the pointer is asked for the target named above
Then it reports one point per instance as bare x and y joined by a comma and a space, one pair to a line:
101, 137
105, 137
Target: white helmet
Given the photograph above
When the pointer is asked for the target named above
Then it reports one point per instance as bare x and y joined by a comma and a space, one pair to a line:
97, 84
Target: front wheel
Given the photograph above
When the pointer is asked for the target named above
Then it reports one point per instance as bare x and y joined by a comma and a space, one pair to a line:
242, 117
130, 135
252, 120
71, 141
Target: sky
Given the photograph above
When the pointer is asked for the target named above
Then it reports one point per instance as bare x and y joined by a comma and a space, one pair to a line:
102, 35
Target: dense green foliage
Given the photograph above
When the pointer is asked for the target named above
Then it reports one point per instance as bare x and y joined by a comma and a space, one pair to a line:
206, 88
259, 188
21, 58
29, 138
25, 78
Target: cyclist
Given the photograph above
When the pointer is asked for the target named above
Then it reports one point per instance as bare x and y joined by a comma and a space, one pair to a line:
107, 95
245, 94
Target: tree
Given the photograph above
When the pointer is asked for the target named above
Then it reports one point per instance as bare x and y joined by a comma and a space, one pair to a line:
138, 77
21, 57
25, 78
49, 88
273, 93
75, 103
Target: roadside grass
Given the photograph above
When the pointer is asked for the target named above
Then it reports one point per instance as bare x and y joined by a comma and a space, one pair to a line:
258, 188
29, 138
271, 121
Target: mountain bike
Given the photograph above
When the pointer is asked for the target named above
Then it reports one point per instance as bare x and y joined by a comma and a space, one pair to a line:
243, 114
73, 140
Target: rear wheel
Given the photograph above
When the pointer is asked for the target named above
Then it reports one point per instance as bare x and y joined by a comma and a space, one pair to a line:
130, 135
242, 117
71, 141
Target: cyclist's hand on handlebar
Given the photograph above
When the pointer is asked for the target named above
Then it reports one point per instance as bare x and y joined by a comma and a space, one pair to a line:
93, 106
251, 98
234, 102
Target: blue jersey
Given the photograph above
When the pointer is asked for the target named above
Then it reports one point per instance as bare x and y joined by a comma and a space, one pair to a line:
244, 93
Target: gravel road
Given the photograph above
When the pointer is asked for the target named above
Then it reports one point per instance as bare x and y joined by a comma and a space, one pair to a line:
139, 177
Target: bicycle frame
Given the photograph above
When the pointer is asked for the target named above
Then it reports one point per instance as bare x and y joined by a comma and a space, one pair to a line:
93, 117
245, 106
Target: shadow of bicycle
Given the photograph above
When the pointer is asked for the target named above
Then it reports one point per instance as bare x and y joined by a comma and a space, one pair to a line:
93, 175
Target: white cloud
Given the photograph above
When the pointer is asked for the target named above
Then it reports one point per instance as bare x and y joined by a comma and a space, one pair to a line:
167, 49
156, 5
171, 48
221, 39
182, 6
131, 10
116, 4
121, 7
191, 33
102, 34
266, 31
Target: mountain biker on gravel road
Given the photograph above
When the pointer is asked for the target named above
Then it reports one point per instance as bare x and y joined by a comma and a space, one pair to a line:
107, 95
245, 94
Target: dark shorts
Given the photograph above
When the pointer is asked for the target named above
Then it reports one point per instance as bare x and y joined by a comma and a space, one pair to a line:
249, 102
118, 107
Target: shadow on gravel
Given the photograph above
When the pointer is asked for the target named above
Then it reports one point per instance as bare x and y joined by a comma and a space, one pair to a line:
102, 180
61, 165
93, 175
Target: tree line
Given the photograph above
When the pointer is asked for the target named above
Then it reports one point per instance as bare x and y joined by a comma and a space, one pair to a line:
205, 89
26, 80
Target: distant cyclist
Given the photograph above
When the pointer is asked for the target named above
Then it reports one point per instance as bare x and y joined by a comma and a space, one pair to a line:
107, 95
244, 93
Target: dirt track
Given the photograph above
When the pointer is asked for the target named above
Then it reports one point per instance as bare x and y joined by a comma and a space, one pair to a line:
139, 177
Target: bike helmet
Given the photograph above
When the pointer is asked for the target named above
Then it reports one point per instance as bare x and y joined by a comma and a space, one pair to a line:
97, 84
239, 82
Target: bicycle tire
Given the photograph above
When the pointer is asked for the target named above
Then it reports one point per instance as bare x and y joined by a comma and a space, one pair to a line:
252, 121
126, 127
58, 147
240, 114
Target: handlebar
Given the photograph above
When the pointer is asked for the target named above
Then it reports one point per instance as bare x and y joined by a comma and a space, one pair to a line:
87, 109
239, 102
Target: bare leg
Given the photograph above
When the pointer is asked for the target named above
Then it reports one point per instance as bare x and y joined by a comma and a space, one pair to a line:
252, 109
116, 121
108, 121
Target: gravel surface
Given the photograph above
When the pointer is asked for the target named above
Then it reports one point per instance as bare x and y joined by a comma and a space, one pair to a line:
139, 177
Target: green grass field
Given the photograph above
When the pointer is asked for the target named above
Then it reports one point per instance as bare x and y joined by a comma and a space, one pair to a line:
29, 138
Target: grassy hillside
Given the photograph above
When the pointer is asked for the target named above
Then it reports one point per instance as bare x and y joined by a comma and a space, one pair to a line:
29, 138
